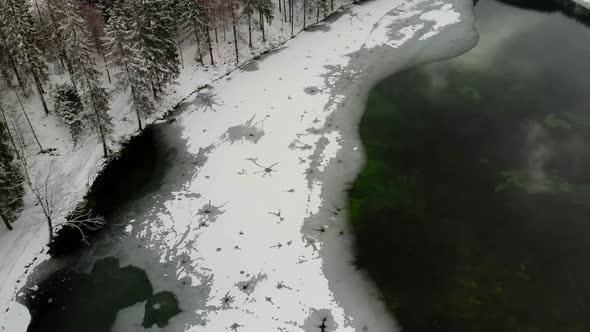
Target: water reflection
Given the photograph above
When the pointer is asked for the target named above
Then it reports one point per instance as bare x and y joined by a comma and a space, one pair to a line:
477, 186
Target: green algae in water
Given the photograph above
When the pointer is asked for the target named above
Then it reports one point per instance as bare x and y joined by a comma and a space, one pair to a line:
472, 212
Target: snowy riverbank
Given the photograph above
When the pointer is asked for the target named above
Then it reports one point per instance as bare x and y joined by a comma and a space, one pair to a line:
266, 206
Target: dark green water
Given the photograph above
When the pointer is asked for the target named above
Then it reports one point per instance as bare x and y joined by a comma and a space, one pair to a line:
473, 210
70, 302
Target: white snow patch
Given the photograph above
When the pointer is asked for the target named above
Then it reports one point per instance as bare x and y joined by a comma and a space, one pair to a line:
442, 17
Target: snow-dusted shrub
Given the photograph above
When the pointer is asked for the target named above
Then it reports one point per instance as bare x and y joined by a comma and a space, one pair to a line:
68, 106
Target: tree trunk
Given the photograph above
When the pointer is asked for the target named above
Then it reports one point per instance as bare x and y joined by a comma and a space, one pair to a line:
280, 9
210, 49
317, 20
208, 29
106, 65
9, 132
235, 38
262, 27
284, 11
250, 30
6, 222
154, 92
69, 69
210, 46
40, 91
105, 149
23, 158
134, 96
28, 121
103, 138
304, 13
199, 55
39, 13
50, 228
20, 145
180, 54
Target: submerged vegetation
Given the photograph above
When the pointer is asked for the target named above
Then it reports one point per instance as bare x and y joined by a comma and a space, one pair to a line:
472, 211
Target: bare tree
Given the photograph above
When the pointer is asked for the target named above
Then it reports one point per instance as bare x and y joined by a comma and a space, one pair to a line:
57, 208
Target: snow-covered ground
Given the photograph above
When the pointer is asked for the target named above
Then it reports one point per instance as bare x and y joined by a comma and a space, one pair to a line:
261, 219
585, 3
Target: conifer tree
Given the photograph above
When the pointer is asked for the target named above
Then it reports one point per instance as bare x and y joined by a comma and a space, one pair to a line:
78, 49
96, 22
11, 179
265, 10
7, 62
123, 42
156, 33
306, 4
233, 7
323, 7
248, 8
97, 100
23, 43
194, 18
55, 15
69, 108
75, 39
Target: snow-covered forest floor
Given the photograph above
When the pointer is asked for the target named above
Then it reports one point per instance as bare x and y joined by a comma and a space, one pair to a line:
265, 205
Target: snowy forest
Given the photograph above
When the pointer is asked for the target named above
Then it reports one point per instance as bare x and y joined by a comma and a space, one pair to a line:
69, 59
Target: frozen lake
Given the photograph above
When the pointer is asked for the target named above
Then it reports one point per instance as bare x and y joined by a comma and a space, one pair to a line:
234, 216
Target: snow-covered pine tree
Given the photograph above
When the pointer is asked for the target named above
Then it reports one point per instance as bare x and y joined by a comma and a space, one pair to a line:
96, 22
156, 32
233, 7
75, 38
248, 8
5, 64
79, 51
7, 58
69, 108
307, 4
123, 43
55, 15
97, 99
194, 19
208, 16
11, 179
24, 43
265, 11
323, 7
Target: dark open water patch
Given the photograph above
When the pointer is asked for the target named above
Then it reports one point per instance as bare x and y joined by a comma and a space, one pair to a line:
69, 301
472, 212
138, 169
83, 288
